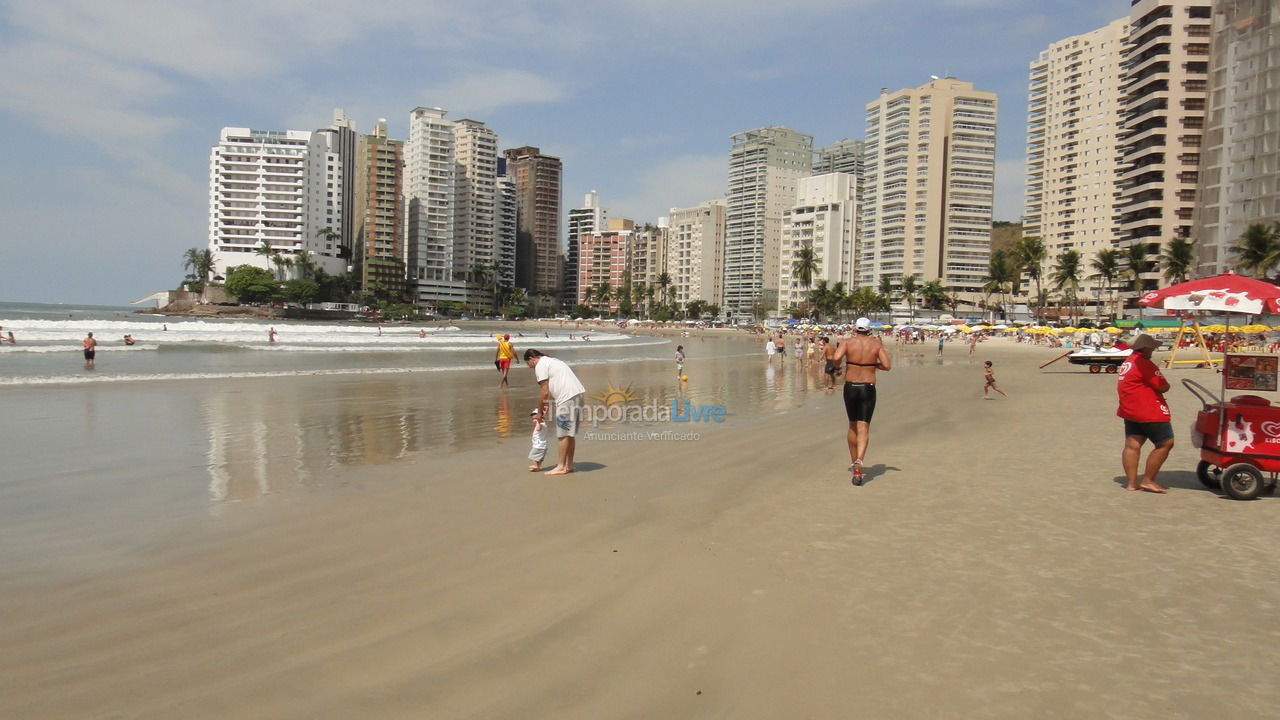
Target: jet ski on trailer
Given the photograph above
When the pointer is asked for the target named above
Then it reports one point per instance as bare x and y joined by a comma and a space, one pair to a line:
1097, 359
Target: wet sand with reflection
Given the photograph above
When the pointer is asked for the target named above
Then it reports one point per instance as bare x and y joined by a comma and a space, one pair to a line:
372, 547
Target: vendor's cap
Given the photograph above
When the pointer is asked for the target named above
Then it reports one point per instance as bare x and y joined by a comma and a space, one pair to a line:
1144, 342
533, 411
862, 324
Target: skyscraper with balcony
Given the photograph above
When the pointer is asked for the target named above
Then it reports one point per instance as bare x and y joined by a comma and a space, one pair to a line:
431, 194
277, 190
1073, 143
1240, 164
764, 166
1165, 80
604, 257
825, 220
695, 252
341, 139
379, 211
537, 183
582, 220
479, 236
929, 164
844, 156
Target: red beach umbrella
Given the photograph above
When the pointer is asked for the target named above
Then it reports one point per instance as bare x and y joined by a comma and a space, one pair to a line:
1227, 292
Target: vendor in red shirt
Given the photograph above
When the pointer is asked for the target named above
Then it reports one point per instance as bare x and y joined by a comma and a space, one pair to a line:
1146, 416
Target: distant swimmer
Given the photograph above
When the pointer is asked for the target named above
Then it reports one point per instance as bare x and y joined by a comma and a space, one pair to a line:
271, 335
422, 333
862, 355
90, 350
128, 340
11, 340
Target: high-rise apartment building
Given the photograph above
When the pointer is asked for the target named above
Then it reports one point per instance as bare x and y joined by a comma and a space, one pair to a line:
278, 189
479, 238
695, 252
930, 177
825, 219
506, 220
648, 255
1073, 142
603, 261
537, 182
1165, 80
431, 194
764, 167
341, 139
1240, 163
379, 211
844, 156
586, 219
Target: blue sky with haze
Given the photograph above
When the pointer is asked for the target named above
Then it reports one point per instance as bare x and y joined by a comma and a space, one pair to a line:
111, 107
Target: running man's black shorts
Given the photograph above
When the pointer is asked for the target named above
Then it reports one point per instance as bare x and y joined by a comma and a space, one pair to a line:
859, 401
1156, 432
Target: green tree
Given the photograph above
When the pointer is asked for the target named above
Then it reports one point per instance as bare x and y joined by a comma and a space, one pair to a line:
1136, 263
601, 294
1106, 266
305, 264
805, 266
696, 308
251, 284
1257, 250
1066, 277
199, 262
300, 290
664, 284
1001, 272
910, 290
1028, 256
1177, 258
933, 295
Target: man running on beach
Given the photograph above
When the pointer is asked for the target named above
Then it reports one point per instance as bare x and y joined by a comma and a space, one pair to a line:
862, 355
558, 388
1141, 387
90, 350
505, 354
831, 363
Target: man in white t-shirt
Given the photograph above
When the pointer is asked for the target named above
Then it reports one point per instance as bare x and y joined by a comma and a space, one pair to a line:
558, 388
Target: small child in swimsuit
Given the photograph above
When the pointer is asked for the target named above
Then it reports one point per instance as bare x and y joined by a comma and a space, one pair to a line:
679, 362
538, 451
990, 382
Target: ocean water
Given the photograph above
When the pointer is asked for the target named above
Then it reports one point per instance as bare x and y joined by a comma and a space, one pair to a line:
48, 346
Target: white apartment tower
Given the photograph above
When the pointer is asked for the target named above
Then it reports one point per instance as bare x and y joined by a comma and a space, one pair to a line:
341, 140
1165, 81
275, 188
844, 156
480, 240
695, 252
825, 218
582, 220
1240, 163
764, 166
431, 193
647, 257
1074, 112
930, 179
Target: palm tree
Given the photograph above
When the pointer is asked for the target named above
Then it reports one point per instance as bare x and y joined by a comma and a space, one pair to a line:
1135, 263
637, 295
664, 284
1106, 265
305, 265
909, 290
1257, 250
602, 293
818, 299
1029, 255
1066, 277
835, 299
1177, 258
933, 295
199, 261
1001, 273
282, 263
805, 265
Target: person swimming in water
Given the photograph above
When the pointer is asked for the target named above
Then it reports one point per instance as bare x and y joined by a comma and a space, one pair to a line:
862, 355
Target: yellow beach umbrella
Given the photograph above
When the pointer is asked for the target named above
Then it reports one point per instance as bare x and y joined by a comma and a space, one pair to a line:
1068, 329
1214, 328
1114, 330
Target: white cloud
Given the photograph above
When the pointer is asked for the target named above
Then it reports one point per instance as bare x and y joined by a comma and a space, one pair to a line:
482, 92
679, 182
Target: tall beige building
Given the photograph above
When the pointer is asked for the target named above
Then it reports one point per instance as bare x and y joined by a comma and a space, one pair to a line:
1074, 112
648, 255
1165, 79
695, 252
825, 218
1240, 163
929, 163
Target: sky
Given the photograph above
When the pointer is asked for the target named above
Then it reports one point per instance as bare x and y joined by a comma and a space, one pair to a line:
112, 107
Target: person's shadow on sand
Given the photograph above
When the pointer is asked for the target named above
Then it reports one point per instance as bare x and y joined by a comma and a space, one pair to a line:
871, 472
584, 467
1176, 479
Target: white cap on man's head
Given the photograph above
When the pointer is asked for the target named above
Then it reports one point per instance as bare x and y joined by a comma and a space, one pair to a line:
862, 325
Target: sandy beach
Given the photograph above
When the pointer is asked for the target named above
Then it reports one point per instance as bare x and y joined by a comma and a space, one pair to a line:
372, 547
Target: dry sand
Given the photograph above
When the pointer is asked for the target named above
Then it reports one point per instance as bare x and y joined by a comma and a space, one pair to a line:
992, 567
